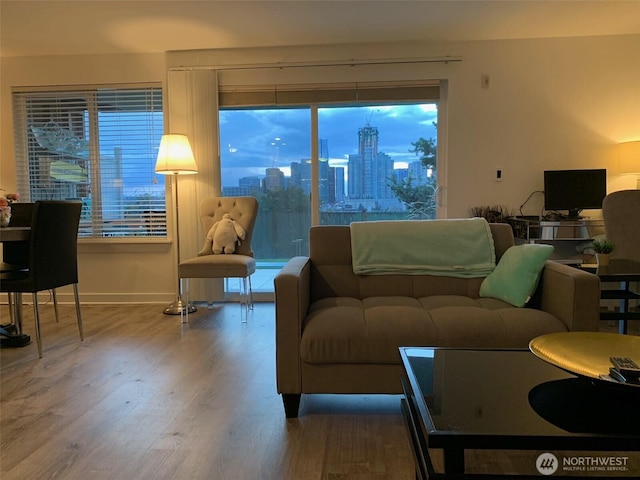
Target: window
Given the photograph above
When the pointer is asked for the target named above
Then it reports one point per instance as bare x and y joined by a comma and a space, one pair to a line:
375, 160
97, 146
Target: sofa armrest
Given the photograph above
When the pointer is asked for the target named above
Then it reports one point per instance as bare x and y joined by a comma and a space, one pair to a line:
292, 295
572, 295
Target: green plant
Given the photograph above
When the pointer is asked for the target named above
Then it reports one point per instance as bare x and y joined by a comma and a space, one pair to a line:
603, 246
491, 213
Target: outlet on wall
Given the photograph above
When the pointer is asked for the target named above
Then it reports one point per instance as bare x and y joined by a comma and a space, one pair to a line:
499, 175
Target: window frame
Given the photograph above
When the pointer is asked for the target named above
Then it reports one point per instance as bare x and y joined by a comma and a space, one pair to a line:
147, 98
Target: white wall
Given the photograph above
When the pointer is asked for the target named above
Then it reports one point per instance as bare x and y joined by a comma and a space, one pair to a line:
121, 272
552, 103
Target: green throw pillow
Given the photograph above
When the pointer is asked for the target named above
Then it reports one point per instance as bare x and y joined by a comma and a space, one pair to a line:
516, 276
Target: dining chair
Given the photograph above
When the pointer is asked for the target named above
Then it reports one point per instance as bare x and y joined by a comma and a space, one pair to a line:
52, 257
15, 255
240, 264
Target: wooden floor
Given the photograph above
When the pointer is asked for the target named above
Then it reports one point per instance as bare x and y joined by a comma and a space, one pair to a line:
144, 397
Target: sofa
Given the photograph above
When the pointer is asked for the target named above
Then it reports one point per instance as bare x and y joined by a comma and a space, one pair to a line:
340, 332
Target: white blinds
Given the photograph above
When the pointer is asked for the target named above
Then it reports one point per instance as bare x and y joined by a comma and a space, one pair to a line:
97, 146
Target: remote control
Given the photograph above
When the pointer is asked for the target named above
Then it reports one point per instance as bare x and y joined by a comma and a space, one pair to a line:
626, 366
616, 375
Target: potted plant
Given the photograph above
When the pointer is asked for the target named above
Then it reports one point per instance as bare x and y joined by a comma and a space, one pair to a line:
491, 213
603, 248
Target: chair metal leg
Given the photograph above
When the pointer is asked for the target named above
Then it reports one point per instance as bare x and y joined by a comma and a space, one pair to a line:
55, 304
246, 297
12, 318
16, 310
78, 314
36, 314
184, 295
244, 300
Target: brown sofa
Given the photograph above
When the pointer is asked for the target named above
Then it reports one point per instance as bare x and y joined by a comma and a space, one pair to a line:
337, 332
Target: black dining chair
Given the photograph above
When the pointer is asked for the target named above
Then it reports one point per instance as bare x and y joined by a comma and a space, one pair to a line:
52, 257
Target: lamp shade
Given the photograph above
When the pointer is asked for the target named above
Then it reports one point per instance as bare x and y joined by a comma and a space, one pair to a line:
175, 156
629, 157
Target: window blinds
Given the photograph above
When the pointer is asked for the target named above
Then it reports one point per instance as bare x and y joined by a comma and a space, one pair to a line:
97, 146
346, 93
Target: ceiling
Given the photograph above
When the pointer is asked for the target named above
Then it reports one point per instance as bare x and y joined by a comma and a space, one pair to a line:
71, 27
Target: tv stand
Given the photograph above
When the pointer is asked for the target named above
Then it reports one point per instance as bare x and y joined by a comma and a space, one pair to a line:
571, 238
574, 215
555, 216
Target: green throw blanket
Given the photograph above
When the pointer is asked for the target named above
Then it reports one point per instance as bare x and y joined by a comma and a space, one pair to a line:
453, 248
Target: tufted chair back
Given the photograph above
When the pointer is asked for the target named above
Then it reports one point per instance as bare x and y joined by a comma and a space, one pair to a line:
243, 210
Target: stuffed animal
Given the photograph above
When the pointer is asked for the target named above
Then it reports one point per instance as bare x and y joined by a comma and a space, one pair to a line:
224, 234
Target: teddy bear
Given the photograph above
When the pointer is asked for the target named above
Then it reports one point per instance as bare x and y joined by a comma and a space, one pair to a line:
224, 234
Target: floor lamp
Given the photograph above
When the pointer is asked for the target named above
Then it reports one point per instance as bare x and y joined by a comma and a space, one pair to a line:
175, 157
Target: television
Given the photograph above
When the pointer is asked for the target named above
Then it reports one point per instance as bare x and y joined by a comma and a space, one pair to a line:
574, 190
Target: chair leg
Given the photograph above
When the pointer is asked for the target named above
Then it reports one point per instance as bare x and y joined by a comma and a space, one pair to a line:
36, 315
55, 304
17, 311
184, 296
78, 314
12, 318
246, 297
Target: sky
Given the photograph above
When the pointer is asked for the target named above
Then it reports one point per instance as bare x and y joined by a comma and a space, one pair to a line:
253, 140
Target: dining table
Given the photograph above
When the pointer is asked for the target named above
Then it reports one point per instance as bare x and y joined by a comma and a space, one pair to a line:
14, 234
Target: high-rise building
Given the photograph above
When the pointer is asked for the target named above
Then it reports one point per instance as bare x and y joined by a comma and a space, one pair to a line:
325, 190
274, 179
323, 149
383, 171
237, 191
419, 174
336, 185
369, 169
252, 184
301, 174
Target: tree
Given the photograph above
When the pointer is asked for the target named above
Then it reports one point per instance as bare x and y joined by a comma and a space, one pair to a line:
290, 200
426, 152
418, 195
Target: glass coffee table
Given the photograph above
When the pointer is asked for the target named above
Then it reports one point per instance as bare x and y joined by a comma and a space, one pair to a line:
491, 413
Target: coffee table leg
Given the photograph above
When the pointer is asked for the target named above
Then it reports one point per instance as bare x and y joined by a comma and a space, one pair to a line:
453, 461
624, 309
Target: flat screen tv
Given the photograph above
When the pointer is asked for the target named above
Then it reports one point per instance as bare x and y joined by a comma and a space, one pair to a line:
574, 190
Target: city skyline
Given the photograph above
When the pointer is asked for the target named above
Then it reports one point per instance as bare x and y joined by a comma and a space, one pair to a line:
369, 171
253, 140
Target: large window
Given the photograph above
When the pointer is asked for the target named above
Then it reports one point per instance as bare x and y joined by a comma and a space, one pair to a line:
373, 162
97, 146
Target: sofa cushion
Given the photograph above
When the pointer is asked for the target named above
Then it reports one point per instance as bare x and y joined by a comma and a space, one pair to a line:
516, 276
349, 330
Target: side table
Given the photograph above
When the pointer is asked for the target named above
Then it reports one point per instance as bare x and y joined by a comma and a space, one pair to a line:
622, 271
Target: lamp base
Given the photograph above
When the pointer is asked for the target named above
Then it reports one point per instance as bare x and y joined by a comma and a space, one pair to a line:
178, 307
